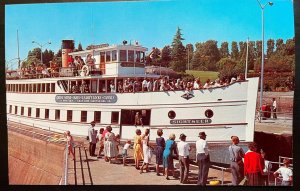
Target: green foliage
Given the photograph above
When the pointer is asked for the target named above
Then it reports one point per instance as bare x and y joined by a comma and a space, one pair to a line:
228, 68
166, 56
203, 74
178, 53
234, 50
224, 51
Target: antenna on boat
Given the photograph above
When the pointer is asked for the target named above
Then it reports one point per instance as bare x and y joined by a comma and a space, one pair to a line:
18, 49
246, 69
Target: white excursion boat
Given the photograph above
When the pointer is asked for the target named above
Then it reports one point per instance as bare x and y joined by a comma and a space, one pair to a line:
50, 102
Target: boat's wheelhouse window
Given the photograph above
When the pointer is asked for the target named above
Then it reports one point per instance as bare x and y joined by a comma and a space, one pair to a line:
114, 117
138, 56
102, 56
123, 55
19, 87
83, 116
22, 110
29, 111
108, 56
46, 113
47, 87
16, 109
27, 86
128, 117
10, 109
69, 115
97, 116
57, 114
53, 87
94, 86
37, 112
130, 56
142, 56
114, 55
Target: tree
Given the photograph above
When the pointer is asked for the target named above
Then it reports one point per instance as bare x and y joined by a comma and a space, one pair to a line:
280, 47
197, 62
189, 53
211, 54
270, 47
79, 47
228, 68
155, 56
234, 50
224, 51
166, 56
178, 53
290, 47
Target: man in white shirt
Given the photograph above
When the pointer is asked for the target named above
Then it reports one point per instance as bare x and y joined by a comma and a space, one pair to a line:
92, 139
286, 173
202, 158
184, 152
274, 108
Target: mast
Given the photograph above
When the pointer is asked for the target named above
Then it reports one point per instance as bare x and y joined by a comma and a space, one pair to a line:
18, 49
246, 70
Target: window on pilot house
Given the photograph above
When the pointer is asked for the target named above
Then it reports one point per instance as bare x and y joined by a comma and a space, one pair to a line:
16, 109
10, 109
123, 55
130, 56
108, 56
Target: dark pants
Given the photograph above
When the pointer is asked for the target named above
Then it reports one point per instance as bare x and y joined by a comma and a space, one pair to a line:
203, 164
92, 149
274, 113
184, 168
265, 180
237, 172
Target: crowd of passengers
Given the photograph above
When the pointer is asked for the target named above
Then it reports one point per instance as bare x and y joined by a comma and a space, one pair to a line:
159, 84
41, 70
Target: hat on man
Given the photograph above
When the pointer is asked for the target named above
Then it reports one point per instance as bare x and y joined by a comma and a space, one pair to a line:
93, 122
202, 134
182, 136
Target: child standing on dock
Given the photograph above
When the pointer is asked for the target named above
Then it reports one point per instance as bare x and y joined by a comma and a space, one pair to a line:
124, 152
286, 173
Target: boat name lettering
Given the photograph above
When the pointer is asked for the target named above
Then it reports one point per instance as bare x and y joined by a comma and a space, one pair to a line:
190, 121
111, 98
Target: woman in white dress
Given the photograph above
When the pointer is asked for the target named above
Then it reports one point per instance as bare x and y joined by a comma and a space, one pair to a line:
110, 145
146, 151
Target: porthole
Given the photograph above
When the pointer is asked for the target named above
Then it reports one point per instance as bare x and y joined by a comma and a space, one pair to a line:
209, 113
171, 114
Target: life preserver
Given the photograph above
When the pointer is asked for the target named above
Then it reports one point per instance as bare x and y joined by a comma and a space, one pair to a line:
85, 71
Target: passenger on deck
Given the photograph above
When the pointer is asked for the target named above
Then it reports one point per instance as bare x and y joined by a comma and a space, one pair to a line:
197, 84
75, 88
233, 79
138, 120
84, 88
156, 85
207, 84
90, 61
112, 87
144, 85
45, 71
150, 85
120, 87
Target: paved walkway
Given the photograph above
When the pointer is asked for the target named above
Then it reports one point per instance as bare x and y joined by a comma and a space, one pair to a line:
104, 173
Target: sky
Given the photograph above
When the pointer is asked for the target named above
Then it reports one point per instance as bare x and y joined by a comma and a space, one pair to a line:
151, 23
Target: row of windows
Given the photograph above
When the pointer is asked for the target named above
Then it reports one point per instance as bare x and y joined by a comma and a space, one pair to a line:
31, 88
83, 116
130, 56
